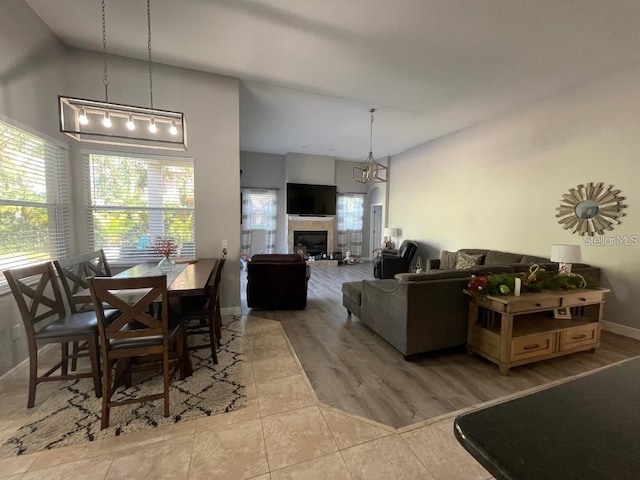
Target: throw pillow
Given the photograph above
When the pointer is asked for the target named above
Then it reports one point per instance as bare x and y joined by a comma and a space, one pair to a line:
448, 260
465, 260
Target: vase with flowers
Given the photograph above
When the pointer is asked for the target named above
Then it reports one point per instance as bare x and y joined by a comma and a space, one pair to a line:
166, 247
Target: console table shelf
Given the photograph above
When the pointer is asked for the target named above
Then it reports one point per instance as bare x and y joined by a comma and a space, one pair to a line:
512, 331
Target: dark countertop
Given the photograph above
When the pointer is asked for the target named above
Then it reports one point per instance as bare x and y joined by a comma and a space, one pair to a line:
587, 428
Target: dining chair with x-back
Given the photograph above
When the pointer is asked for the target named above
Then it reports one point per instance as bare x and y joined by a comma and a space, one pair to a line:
201, 314
135, 337
37, 293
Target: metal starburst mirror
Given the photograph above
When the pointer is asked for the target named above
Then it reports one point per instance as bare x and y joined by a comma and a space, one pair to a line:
590, 209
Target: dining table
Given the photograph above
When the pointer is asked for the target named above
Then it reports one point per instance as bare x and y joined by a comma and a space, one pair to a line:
188, 278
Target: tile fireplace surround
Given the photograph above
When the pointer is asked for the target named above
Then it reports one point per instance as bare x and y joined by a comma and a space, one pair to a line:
295, 222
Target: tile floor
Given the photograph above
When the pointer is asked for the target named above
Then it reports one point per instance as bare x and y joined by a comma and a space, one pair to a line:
282, 433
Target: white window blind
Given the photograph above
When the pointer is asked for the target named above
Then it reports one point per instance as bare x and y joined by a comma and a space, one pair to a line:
262, 205
135, 201
34, 199
350, 211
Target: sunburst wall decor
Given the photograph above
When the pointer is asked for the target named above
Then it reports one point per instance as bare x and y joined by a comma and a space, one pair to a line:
590, 209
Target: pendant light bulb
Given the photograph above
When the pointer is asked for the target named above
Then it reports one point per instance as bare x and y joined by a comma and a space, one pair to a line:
83, 119
152, 126
130, 124
173, 130
106, 121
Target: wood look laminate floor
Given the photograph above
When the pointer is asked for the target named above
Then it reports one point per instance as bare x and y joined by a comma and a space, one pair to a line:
353, 369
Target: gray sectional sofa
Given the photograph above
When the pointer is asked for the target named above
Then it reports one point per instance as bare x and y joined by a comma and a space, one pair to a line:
423, 312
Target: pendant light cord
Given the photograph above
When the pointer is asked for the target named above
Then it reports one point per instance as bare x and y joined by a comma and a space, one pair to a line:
105, 80
149, 48
371, 131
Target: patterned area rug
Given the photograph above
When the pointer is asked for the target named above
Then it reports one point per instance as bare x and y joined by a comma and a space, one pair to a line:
72, 415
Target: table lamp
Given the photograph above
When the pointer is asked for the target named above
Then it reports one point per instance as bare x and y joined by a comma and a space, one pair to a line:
388, 234
565, 255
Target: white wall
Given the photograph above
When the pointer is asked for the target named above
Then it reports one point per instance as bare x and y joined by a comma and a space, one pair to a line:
497, 185
312, 169
32, 74
263, 170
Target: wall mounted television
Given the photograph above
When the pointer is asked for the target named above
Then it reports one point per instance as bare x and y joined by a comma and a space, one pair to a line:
304, 199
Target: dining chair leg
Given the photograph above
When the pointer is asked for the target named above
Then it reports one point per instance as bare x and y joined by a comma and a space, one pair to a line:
183, 351
165, 377
33, 374
64, 361
106, 392
92, 344
218, 322
74, 358
213, 340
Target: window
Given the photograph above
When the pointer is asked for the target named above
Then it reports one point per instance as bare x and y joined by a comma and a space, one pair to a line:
350, 211
261, 209
135, 200
34, 199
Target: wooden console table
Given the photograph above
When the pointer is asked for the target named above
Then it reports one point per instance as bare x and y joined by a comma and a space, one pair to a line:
512, 331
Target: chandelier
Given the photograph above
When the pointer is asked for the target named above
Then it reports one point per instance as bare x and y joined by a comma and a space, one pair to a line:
370, 171
110, 123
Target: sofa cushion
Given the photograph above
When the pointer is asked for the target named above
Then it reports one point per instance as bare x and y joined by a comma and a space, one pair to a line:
277, 258
529, 259
495, 257
428, 276
466, 261
483, 270
448, 260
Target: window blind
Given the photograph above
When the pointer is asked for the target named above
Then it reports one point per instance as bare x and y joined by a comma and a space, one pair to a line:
34, 199
134, 202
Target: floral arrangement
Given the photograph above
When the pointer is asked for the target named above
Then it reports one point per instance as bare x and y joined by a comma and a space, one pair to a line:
535, 280
164, 246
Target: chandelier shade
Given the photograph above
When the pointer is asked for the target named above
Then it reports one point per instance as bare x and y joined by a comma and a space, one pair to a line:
84, 120
370, 171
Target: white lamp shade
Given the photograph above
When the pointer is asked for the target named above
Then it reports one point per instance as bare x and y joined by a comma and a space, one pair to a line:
390, 232
566, 253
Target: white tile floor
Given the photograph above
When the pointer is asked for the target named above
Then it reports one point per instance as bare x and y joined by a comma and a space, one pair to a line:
282, 433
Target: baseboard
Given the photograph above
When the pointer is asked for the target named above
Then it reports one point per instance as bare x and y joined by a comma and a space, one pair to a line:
231, 311
12, 370
620, 329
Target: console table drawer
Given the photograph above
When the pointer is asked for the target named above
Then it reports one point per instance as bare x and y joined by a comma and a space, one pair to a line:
532, 346
582, 298
535, 304
578, 336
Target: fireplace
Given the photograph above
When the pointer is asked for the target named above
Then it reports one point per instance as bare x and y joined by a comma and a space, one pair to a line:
314, 240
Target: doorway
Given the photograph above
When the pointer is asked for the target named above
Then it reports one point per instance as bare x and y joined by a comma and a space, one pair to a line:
375, 234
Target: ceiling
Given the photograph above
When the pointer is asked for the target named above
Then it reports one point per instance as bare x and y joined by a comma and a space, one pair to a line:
311, 69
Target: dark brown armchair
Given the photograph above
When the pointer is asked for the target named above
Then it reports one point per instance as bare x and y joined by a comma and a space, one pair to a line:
277, 282
396, 261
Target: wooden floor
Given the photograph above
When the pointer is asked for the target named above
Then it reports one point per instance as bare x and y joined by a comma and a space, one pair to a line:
353, 369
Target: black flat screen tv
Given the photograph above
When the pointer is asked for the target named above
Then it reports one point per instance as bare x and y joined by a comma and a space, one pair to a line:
304, 199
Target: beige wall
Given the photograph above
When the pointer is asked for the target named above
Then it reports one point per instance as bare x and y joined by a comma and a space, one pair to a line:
497, 185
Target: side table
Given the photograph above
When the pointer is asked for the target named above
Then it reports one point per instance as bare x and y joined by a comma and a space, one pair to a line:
512, 331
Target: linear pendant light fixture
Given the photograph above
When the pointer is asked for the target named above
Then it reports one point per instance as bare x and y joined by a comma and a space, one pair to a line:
109, 123
370, 171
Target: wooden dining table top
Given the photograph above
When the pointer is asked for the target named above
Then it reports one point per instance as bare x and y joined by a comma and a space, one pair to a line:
186, 279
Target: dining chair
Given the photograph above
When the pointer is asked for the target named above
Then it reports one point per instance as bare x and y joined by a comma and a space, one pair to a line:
133, 338
73, 272
37, 293
201, 314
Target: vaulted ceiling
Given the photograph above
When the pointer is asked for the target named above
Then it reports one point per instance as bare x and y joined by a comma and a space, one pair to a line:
311, 69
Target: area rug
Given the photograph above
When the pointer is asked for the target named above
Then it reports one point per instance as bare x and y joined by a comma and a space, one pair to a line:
72, 415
